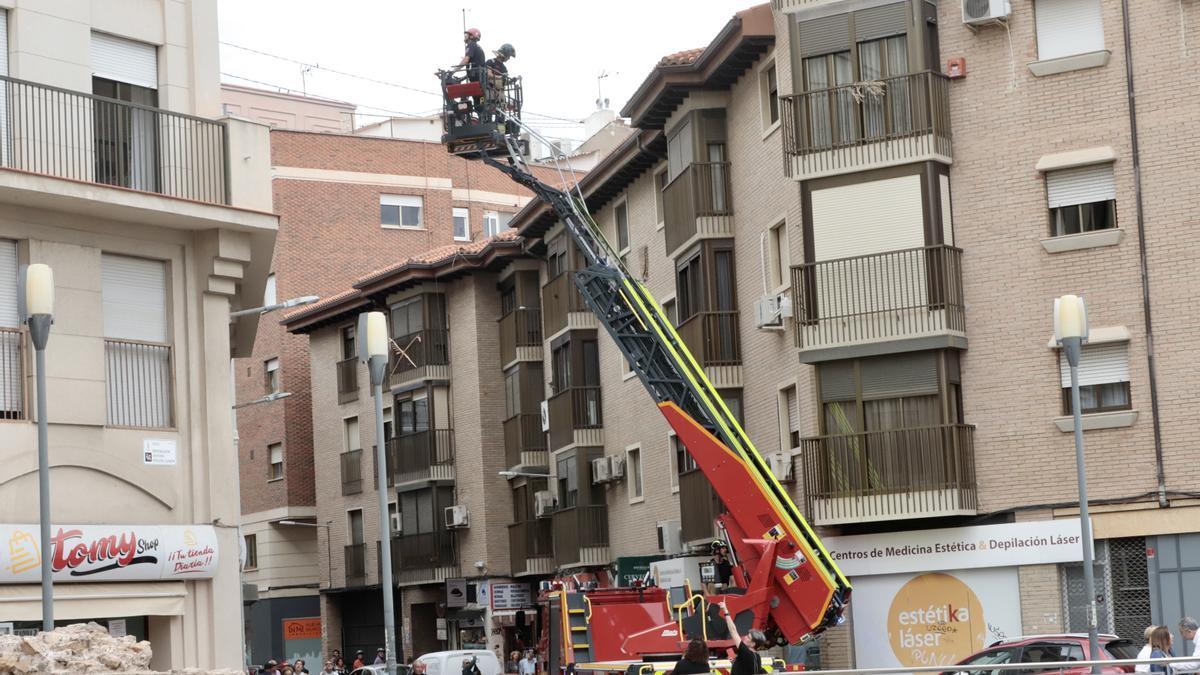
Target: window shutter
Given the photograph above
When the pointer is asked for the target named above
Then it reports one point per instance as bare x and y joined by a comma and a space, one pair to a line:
1098, 364
912, 374
793, 412
3, 42
825, 35
122, 60
400, 200
1066, 27
879, 22
1081, 185
837, 381
134, 293
8, 282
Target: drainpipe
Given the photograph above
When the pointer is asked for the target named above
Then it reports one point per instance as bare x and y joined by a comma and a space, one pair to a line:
1160, 475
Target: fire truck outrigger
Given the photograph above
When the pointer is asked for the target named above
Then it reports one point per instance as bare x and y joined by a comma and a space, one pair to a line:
784, 581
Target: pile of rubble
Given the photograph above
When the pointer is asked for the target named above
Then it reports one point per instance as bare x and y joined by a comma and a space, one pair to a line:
78, 648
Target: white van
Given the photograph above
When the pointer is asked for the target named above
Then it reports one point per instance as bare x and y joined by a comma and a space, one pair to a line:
451, 662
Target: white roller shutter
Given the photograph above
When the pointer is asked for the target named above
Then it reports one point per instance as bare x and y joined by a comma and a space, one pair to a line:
122, 60
3, 42
8, 283
1068, 27
134, 292
793, 409
1080, 185
1098, 364
865, 218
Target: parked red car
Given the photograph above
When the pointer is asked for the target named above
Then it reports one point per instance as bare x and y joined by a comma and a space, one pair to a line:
1033, 649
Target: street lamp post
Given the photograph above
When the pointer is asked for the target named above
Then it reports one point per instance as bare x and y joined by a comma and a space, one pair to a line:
39, 313
373, 350
1071, 331
286, 304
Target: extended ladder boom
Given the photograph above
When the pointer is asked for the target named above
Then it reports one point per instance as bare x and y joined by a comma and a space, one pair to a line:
806, 592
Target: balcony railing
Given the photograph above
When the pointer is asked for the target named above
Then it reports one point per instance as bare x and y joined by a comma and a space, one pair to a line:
698, 506
422, 455
560, 297
12, 374
884, 475
580, 534
356, 564
347, 380
700, 191
90, 138
521, 327
425, 550
570, 409
712, 337
522, 434
865, 124
883, 296
351, 463
139, 384
415, 351
528, 543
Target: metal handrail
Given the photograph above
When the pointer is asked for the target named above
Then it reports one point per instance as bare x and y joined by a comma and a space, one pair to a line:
1041, 667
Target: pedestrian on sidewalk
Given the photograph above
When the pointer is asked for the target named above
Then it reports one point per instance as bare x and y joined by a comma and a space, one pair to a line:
1187, 628
340, 664
329, 669
380, 658
1160, 648
1145, 651
298, 667
528, 665
359, 661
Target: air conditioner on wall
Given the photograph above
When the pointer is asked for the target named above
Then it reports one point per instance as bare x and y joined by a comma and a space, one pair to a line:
543, 503
397, 525
669, 540
771, 310
600, 471
456, 516
975, 12
616, 466
781, 466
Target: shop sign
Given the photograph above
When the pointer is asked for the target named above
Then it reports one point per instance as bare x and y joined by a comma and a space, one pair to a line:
634, 568
456, 593
511, 596
302, 639
1006, 545
933, 618
95, 553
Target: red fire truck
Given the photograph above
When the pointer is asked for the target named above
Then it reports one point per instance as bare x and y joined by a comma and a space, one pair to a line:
784, 581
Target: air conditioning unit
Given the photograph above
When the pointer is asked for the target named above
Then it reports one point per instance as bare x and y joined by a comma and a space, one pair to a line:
456, 516
616, 466
397, 525
771, 310
600, 471
976, 12
543, 504
781, 466
669, 540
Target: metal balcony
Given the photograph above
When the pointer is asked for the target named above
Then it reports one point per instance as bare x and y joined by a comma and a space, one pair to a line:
867, 125
521, 336
83, 137
425, 557
581, 536
424, 354
12, 374
914, 295
895, 474
531, 547
698, 507
713, 338
699, 201
422, 456
356, 564
524, 442
347, 380
575, 417
563, 307
351, 466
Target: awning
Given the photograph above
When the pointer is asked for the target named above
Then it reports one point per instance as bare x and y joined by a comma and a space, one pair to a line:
23, 602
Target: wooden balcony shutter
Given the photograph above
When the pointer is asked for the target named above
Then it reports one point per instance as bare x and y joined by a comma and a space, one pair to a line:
1098, 364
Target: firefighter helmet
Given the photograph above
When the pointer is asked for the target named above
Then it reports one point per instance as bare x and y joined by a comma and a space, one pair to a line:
473, 33
507, 51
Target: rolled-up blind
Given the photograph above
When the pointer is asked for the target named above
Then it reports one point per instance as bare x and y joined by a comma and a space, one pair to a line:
1066, 27
878, 22
122, 60
825, 35
912, 374
1080, 185
1098, 364
134, 295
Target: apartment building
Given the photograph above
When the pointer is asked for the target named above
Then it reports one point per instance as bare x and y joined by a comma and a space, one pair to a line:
155, 216
347, 204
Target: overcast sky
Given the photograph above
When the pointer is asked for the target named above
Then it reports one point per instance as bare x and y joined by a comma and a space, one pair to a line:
562, 46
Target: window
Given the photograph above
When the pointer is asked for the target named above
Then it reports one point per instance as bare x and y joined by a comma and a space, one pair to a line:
560, 367
512, 392
732, 398
886, 60
12, 398
1052, 652
401, 211
633, 473
989, 658
354, 521
621, 218
251, 551
1081, 199
350, 436
1068, 27
408, 317
269, 295
780, 256
275, 452
683, 459
679, 150
689, 288
125, 142
495, 222
888, 393
271, 375
669, 309
557, 261
136, 352
393, 511
660, 184
387, 424
412, 414
421, 510
1103, 378
462, 224
349, 347
769, 90
568, 482
831, 111
789, 418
